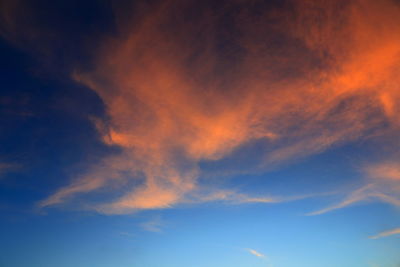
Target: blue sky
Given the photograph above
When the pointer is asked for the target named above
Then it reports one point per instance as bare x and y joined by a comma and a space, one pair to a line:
199, 133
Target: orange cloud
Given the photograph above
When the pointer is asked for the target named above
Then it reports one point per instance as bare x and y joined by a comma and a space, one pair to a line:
386, 171
297, 81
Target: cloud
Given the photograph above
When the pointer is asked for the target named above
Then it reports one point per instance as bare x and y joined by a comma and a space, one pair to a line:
395, 231
296, 81
384, 186
358, 195
256, 253
370, 192
389, 171
81, 186
7, 167
153, 225
238, 198
126, 234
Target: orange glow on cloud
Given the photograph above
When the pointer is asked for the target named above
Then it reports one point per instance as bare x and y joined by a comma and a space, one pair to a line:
174, 99
386, 170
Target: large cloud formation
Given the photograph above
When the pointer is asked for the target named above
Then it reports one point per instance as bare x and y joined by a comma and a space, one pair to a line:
186, 82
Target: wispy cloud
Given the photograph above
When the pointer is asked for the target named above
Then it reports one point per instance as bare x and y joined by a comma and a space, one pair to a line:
237, 198
126, 234
153, 225
255, 253
358, 195
7, 167
370, 192
391, 232
233, 197
80, 186
384, 186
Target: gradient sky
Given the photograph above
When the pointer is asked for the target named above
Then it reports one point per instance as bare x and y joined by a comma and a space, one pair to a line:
200, 133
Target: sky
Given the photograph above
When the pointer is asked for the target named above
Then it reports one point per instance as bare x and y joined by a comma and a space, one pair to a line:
176, 133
